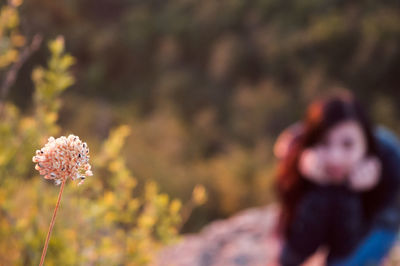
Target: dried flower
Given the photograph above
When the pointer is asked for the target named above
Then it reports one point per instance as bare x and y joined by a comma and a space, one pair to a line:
62, 158
57, 160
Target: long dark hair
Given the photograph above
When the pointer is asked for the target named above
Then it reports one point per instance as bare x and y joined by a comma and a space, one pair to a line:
321, 115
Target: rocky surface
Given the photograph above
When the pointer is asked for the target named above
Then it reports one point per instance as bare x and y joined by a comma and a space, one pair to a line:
245, 239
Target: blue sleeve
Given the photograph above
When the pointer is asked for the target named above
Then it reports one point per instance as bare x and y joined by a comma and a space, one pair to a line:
372, 250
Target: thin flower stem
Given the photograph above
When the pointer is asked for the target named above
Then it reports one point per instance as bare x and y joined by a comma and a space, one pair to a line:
53, 219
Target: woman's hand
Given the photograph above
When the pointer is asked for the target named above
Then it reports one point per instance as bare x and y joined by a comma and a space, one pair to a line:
362, 177
312, 167
365, 175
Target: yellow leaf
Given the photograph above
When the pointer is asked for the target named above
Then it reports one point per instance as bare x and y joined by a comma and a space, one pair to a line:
199, 195
175, 206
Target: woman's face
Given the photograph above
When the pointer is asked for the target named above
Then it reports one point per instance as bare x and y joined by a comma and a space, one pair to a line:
342, 147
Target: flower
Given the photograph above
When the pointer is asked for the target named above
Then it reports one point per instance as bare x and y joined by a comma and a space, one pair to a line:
62, 158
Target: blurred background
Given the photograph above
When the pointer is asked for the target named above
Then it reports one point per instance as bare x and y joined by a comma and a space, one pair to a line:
180, 102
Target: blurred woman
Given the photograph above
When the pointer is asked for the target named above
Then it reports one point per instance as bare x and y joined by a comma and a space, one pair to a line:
337, 182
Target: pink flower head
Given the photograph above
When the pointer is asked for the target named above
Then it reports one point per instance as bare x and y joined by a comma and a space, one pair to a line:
62, 158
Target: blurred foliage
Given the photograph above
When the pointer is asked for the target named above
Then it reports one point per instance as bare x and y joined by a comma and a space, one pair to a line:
107, 221
11, 38
206, 86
